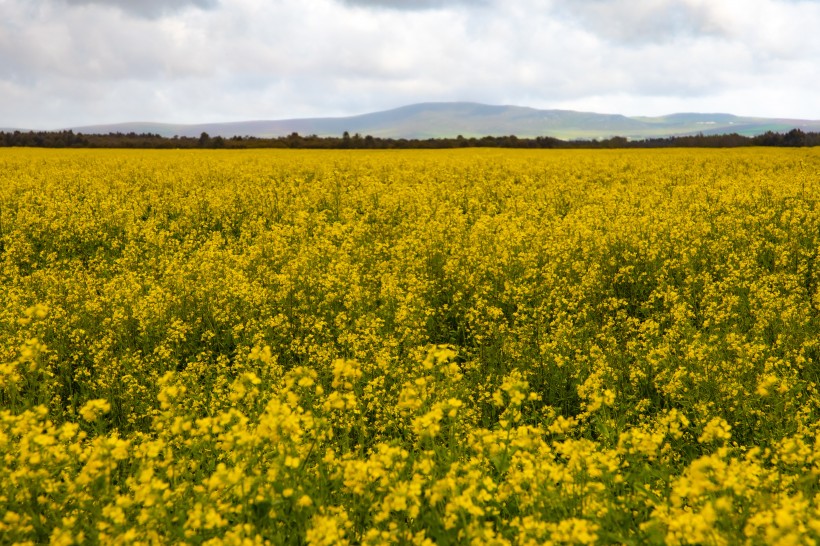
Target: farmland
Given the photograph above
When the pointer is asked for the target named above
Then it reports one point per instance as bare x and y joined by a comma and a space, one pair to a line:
427, 347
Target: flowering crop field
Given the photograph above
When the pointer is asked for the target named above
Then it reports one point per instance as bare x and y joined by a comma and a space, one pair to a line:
415, 347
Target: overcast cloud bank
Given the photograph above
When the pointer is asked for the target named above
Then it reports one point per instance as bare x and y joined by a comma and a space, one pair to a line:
74, 62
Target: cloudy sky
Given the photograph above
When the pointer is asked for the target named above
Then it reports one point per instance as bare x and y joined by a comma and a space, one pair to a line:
73, 62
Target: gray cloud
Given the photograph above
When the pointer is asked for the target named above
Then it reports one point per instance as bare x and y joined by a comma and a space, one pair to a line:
148, 8
644, 21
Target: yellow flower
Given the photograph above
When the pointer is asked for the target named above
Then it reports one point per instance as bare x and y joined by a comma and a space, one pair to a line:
304, 501
93, 409
717, 429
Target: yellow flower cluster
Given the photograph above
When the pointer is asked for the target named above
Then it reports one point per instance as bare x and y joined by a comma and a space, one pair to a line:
451, 347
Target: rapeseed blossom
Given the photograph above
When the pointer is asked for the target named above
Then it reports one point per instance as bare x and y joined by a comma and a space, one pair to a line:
93, 409
488, 347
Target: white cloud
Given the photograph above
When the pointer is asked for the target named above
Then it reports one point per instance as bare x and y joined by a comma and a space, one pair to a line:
72, 62
411, 5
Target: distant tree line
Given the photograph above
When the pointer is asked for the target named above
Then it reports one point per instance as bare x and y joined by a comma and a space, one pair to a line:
69, 139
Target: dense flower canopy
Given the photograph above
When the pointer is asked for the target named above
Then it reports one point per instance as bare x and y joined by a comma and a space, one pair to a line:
506, 347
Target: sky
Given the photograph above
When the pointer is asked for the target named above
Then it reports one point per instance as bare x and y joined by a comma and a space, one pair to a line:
66, 63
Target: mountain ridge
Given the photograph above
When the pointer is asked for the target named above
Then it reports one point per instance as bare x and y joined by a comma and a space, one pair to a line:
471, 119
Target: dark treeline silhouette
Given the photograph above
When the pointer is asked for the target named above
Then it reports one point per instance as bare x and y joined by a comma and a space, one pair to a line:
69, 139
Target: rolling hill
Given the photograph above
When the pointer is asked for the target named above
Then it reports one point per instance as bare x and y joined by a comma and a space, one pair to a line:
449, 119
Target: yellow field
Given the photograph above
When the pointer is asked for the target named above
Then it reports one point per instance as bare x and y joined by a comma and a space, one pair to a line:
496, 347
